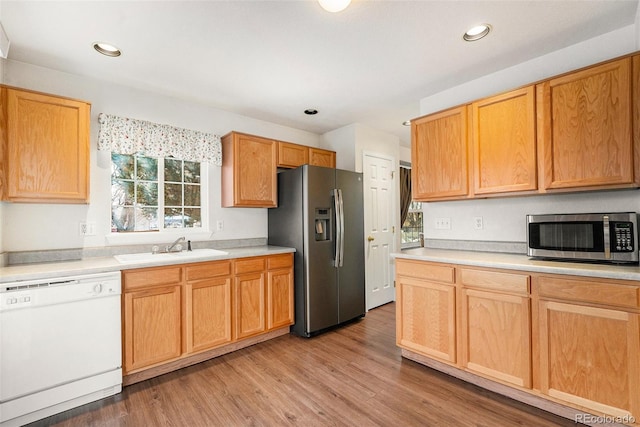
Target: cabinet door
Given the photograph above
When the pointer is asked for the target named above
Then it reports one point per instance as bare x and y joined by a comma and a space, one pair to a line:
504, 142
496, 335
589, 357
319, 157
152, 332
48, 148
249, 304
425, 318
208, 313
280, 298
249, 171
584, 128
439, 154
292, 155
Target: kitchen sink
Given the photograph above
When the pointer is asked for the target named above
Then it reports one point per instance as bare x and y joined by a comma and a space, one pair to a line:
168, 257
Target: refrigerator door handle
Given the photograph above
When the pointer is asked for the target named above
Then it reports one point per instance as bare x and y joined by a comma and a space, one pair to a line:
336, 205
341, 228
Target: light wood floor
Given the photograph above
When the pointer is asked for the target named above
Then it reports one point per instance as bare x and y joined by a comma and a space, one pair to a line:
352, 376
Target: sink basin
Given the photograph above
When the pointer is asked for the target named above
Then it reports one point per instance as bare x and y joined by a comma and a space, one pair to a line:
168, 257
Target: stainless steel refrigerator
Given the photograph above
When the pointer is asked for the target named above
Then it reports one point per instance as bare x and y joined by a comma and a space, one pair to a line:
320, 214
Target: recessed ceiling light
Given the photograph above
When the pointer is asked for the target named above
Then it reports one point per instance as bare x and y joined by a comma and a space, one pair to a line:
310, 111
107, 49
406, 123
334, 5
477, 32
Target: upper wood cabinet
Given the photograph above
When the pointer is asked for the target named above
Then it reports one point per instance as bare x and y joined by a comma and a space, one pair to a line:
249, 171
294, 155
439, 155
575, 132
45, 141
584, 128
503, 130
320, 157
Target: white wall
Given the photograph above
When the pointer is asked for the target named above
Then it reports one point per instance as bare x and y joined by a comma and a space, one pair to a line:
49, 226
342, 141
504, 217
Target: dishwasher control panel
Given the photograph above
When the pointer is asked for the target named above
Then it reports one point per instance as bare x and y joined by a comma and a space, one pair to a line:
34, 293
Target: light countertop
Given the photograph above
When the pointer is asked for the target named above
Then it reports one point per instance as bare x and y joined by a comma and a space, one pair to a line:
522, 263
48, 270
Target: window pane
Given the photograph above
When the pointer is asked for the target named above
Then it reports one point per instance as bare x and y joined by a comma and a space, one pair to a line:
173, 218
191, 172
173, 170
147, 168
192, 217
122, 166
122, 193
173, 194
122, 218
191, 195
412, 227
146, 219
147, 194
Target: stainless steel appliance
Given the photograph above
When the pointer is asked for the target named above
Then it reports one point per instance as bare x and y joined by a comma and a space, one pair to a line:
320, 214
60, 345
602, 237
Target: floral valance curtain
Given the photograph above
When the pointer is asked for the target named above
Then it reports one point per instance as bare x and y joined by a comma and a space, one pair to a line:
129, 136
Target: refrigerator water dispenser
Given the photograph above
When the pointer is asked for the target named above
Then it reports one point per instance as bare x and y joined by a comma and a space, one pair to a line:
323, 222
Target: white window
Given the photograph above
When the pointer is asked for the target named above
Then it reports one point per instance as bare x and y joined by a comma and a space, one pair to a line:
149, 194
412, 227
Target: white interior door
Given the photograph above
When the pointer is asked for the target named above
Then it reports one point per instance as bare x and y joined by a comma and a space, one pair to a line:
380, 206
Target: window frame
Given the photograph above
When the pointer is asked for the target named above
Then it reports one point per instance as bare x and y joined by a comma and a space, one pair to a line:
412, 209
163, 234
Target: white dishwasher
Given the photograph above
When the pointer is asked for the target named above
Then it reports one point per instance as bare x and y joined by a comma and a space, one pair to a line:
60, 345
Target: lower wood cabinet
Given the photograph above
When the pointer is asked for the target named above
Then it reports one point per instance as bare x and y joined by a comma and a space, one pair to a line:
426, 309
569, 340
590, 344
152, 326
172, 313
495, 319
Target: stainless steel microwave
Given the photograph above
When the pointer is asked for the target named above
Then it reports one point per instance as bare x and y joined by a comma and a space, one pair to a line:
601, 237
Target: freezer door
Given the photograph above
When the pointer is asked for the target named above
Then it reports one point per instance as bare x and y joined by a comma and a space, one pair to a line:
321, 287
351, 279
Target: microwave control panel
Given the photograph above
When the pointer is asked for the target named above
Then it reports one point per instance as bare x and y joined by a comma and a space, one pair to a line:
623, 235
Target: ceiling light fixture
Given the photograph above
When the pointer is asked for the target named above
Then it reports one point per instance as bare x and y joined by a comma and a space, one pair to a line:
107, 49
310, 111
477, 32
334, 6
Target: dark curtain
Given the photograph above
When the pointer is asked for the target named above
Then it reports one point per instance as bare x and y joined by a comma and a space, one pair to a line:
405, 193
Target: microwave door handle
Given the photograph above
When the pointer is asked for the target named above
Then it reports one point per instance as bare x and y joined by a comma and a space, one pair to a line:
606, 236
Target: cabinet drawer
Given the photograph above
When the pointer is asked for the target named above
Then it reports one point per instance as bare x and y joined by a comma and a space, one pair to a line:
589, 290
147, 277
426, 271
280, 261
498, 281
249, 265
208, 269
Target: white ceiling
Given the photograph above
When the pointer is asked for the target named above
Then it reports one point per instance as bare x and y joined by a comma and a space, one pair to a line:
270, 60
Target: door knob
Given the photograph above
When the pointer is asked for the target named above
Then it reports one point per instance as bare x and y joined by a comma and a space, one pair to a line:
370, 239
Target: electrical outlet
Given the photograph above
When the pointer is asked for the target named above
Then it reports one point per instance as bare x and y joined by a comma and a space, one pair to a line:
478, 223
87, 228
443, 223
219, 225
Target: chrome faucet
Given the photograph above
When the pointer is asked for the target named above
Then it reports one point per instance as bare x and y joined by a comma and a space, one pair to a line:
170, 248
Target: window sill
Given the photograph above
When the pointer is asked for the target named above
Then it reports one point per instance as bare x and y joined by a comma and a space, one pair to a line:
151, 237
